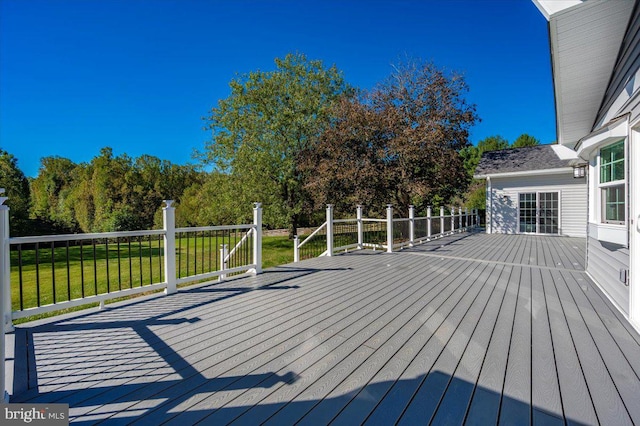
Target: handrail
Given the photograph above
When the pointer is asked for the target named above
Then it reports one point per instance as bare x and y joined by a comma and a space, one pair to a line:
215, 228
78, 237
345, 221
312, 234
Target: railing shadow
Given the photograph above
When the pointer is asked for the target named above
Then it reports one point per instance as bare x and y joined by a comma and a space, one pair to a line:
433, 398
142, 315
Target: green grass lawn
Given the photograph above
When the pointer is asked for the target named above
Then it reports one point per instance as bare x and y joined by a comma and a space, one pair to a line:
68, 273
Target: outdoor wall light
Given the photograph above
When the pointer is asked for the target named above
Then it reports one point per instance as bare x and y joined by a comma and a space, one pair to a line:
505, 198
579, 171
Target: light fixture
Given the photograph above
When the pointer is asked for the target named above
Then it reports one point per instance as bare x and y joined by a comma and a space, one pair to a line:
579, 171
505, 198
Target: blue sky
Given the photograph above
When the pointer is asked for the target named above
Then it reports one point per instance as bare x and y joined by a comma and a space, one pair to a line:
139, 75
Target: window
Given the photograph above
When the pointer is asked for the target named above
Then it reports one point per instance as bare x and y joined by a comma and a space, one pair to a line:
612, 183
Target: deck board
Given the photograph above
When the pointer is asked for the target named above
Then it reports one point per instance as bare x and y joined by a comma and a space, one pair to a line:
515, 406
607, 403
545, 390
575, 395
467, 328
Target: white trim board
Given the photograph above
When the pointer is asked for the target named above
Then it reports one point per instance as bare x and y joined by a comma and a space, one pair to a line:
559, 171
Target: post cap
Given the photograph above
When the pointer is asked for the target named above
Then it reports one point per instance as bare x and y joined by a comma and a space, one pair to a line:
257, 205
168, 203
389, 206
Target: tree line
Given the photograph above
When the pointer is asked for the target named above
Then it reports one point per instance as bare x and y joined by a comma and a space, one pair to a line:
294, 138
110, 193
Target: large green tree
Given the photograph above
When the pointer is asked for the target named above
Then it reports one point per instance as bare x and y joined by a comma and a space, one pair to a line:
260, 129
397, 144
16, 187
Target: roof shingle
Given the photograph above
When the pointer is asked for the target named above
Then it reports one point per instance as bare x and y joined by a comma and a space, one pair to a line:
540, 157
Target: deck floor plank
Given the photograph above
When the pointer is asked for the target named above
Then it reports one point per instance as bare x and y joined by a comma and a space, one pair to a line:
272, 342
429, 324
426, 401
607, 402
545, 390
485, 402
515, 406
417, 359
454, 405
364, 401
576, 398
626, 380
359, 331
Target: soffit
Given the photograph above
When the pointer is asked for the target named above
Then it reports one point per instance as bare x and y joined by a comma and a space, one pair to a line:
585, 41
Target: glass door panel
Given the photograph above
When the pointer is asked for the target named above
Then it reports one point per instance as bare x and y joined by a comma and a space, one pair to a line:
548, 213
527, 204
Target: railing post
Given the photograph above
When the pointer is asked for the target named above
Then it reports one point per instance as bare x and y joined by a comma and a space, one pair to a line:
428, 223
5, 283
453, 220
329, 229
389, 228
360, 227
459, 219
257, 241
466, 217
296, 251
169, 224
224, 250
441, 220
412, 228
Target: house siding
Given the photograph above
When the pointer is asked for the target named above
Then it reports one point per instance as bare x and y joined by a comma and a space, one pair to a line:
604, 262
573, 201
625, 68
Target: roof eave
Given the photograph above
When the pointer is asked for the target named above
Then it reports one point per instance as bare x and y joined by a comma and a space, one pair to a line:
556, 171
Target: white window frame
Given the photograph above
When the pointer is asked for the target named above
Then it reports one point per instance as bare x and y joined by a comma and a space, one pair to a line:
600, 187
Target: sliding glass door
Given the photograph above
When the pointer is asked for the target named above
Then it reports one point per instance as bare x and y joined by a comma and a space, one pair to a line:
538, 212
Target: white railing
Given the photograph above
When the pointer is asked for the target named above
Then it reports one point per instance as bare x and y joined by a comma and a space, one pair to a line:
63, 271
57, 272
382, 234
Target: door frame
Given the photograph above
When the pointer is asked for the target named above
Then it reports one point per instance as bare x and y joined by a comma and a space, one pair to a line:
633, 196
538, 192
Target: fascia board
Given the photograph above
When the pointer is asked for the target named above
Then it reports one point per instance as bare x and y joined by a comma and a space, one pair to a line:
559, 171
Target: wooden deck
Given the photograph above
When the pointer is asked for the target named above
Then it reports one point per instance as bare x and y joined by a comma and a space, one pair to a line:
474, 328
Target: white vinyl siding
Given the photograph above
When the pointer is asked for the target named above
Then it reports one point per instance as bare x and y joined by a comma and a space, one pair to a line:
604, 263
